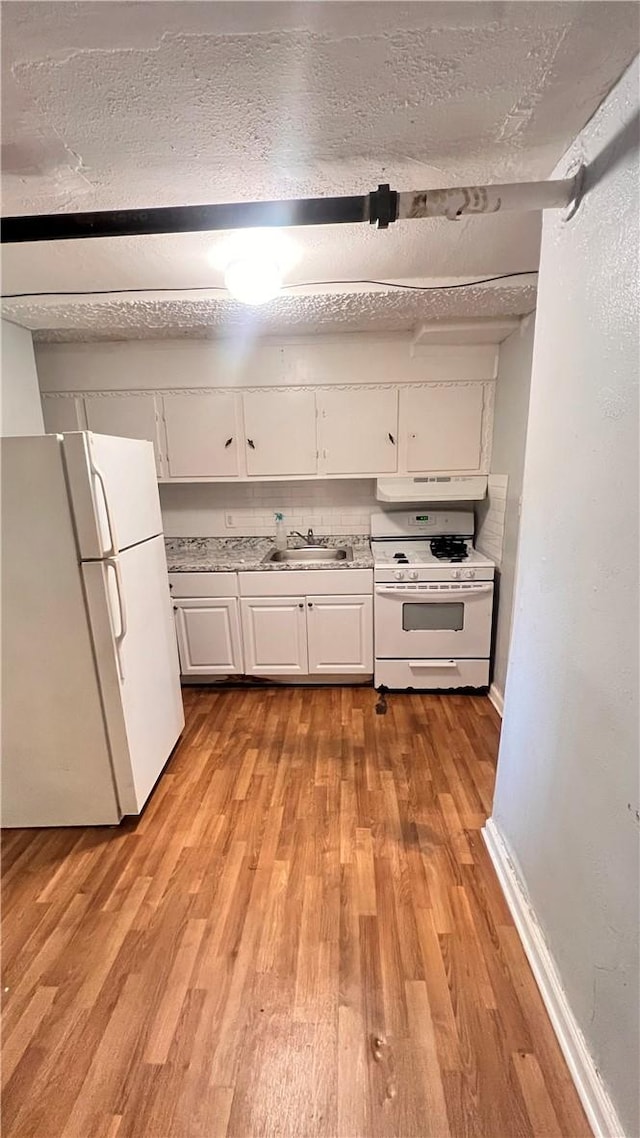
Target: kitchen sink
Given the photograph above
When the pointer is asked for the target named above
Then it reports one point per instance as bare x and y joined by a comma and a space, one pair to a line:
311, 553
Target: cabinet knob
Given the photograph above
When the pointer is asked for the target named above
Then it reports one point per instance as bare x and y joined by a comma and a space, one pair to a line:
251, 444
310, 604
175, 608
229, 442
301, 606
391, 439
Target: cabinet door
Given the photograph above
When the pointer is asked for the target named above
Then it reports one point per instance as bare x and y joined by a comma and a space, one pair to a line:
202, 435
128, 416
280, 432
274, 633
358, 432
442, 427
340, 634
208, 636
62, 414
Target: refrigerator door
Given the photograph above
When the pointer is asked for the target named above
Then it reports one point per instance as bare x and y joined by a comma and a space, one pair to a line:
137, 659
114, 492
56, 763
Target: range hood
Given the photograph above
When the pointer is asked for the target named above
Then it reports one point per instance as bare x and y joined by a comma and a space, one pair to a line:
433, 488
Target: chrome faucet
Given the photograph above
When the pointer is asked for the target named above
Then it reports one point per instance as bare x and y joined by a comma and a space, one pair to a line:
308, 540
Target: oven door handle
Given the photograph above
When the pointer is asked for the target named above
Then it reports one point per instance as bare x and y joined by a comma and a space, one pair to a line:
400, 591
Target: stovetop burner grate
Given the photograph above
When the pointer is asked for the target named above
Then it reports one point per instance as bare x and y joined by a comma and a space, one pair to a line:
449, 548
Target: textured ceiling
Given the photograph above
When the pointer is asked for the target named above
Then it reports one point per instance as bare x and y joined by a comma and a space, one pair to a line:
121, 319
110, 105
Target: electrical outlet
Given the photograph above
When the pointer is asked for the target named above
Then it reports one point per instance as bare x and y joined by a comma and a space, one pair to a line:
230, 521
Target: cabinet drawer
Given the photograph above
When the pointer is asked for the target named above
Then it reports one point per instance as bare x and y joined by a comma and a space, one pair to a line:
303, 582
203, 584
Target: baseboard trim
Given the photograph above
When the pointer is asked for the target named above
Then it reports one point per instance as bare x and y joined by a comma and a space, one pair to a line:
598, 1107
497, 699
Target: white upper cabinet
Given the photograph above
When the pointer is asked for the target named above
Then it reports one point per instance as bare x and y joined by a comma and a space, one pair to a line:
441, 427
128, 416
202, 435
62, 414
363, 431
280, 433
358, 431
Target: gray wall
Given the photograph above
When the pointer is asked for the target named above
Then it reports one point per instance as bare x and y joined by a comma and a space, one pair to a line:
509, 439
20, 406
567, 792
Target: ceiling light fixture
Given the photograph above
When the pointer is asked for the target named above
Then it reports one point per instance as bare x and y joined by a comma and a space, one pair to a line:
253, 281
255, 262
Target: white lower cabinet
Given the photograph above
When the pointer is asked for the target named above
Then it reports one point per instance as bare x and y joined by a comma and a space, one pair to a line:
236, 623
340, 634
208, 631
274, 632
310, 635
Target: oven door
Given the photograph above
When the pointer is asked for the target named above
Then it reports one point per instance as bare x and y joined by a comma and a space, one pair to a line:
433, 621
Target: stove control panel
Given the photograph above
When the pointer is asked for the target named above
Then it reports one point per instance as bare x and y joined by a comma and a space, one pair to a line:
387, 574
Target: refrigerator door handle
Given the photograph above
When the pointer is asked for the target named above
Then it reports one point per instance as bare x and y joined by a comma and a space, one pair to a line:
113, 548
122, 612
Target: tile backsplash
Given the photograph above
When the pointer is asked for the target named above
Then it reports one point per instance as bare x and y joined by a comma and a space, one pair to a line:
329, 507
490, 518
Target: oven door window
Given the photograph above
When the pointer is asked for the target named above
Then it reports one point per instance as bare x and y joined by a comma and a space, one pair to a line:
430, 616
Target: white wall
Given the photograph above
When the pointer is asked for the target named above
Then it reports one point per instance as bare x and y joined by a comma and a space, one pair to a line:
346, 358
567, 795
500, 519
20, 407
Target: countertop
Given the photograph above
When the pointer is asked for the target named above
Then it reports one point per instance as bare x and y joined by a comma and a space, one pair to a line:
243, 554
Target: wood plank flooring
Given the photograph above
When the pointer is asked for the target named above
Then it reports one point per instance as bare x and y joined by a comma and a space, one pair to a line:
301, 936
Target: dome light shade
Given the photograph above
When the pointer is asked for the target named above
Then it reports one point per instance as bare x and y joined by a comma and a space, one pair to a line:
253, 280
254, 263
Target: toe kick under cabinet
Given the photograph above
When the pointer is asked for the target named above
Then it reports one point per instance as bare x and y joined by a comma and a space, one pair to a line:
315, 623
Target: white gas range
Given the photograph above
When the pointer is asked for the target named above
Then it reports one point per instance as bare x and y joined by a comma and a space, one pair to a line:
433, 601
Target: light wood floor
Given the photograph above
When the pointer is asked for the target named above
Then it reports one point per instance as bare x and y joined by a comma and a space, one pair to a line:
302, 935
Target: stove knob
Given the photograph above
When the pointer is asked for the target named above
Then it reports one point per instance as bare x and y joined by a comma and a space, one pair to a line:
470, 573
413, 574
399, 574
455, 573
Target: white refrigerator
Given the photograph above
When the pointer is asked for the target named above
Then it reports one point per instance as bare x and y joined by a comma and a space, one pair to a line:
91, 700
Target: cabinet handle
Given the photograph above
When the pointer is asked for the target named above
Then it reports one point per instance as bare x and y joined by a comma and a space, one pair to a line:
251, 444
170, 586
391, 439
310, 604
301, 606
229, 442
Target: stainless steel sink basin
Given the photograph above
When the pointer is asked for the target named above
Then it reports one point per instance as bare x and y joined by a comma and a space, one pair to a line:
311, 553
